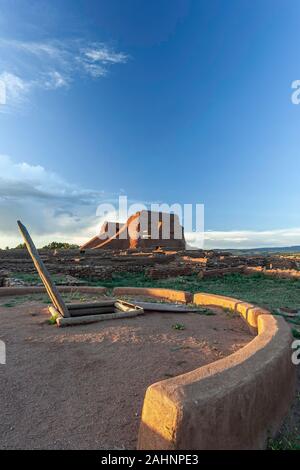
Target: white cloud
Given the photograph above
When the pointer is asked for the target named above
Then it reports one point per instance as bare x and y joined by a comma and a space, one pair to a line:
56, 80
95, 59
247, 238
15, 88
94, 70
101, 53
49, 65
51, 207
52, 49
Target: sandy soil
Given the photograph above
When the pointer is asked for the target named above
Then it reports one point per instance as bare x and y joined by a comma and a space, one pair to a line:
82, 387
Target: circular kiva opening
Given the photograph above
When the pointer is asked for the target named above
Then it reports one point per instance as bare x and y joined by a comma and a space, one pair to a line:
89, 381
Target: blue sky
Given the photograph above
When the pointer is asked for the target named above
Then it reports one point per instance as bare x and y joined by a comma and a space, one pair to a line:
174, 101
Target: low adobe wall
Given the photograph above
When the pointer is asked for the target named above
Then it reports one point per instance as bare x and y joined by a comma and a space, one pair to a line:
169, 294
233, 403
248, 311
277, 272
7, 291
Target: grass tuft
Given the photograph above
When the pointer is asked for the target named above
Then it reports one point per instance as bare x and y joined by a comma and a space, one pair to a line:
178, 326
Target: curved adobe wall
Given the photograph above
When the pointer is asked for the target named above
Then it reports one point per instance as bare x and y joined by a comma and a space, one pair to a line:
248, 311
233, 403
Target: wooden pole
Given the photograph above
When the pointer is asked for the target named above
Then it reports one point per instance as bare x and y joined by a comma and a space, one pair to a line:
51, 288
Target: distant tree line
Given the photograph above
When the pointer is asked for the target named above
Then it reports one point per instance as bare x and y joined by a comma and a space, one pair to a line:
50, 246
60, 246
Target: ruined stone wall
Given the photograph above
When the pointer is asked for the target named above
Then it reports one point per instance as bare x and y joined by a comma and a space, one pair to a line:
103, 264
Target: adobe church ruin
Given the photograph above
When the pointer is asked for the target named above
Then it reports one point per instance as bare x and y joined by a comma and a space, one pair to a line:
144, 230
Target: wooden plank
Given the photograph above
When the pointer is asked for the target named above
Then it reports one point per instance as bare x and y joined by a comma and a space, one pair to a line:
52, 290
83, 312
172, 308
92, 311
49, 291
54, 312
95, 318
104, 303
127, 306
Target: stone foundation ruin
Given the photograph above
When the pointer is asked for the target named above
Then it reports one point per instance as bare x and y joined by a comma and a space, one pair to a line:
76, 266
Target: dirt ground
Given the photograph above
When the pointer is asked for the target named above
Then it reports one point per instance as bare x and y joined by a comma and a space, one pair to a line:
82, 387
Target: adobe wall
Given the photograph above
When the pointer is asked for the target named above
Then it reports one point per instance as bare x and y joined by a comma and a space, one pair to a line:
234, 403
138, 233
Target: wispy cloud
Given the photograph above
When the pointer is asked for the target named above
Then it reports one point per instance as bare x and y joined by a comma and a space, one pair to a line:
101, 53
247, 238
96, 59
16, 89
55, 80
50, 65
51, 49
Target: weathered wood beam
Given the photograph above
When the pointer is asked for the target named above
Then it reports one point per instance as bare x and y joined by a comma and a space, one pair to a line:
54, 312
95, 318
51, 289
103, 303
92, 311
166, 307
127, 306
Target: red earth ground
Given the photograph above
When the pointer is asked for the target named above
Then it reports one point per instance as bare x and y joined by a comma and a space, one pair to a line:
82, 387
